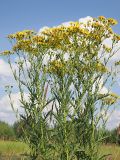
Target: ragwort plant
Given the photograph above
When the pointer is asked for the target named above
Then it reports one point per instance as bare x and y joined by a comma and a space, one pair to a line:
64, 70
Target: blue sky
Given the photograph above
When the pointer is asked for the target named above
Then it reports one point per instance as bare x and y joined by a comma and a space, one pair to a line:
16, 15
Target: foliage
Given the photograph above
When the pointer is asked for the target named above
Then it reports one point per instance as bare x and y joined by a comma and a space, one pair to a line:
111, 137
6, 131
63, 71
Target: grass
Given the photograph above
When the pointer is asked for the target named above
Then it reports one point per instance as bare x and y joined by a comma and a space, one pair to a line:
11, 150
114, 150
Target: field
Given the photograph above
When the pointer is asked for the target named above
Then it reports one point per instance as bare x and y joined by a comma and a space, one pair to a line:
10, 150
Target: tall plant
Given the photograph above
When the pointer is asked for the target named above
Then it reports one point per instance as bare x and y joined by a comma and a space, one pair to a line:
71, 64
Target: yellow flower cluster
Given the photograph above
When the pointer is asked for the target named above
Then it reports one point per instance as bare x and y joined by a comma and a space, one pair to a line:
23, 45
112, 21
114, 95
23, 41
110, 31
116, 37
39, 40
6, 52
101, 68
68, 67
101, 18
97, 67
97, 25
57, 67
74, 36
21, 35
110, 99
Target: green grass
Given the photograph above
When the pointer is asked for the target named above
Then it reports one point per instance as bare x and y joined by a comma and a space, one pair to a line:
11, 150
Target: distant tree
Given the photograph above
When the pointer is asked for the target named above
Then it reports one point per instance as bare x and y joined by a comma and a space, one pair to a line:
6, 131
110, 136
18, 129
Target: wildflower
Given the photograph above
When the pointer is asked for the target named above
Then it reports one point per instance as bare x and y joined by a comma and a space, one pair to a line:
57, 67
112, 21
116, 38
21, 35
114, 95
109, 101
11, 36
101, 68
101, 18
6, 52
110, 31
95, 24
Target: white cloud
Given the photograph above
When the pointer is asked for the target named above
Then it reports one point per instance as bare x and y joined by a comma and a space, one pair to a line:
66, 24
81, 20
48, 58
8, 117
6, 77
104, 90
114, 119
6, 112
85, 19
101, 88
42, 29
116, 56
5, 69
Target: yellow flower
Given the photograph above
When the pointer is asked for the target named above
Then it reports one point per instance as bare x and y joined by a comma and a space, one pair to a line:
110, 31
112, 21
95, 24
38, 39
101, 68
101, 18
69, 38
6, 52
21, 35
24, 45
114, 95
11, 36
57, 67
96, 36
109, 101
116, 38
